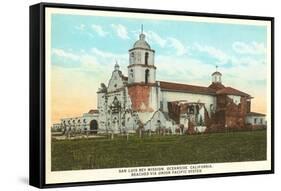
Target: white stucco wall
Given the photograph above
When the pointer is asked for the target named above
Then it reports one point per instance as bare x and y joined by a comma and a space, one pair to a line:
74, 124
153, 123
184, 121
139, 74
101, 100
168, 96
202, 114
102, 110
115, 81
152, 75
139, 57
154, 101
130, 123
260, 120
131, 75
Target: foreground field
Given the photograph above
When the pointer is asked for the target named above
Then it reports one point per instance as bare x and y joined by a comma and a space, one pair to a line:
158, 150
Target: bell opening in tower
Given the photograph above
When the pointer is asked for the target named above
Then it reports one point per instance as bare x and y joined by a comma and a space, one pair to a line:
146, 75
146, 58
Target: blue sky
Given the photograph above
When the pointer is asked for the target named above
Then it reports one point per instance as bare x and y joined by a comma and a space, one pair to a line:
82, 33
186, 51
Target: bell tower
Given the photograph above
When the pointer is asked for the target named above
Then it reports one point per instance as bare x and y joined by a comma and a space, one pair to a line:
142, 84
141, 58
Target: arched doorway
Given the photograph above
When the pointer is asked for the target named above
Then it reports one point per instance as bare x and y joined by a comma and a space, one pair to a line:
94, 126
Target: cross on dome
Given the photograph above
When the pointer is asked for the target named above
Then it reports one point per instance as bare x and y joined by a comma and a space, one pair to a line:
141, 43
217, 72
142, 36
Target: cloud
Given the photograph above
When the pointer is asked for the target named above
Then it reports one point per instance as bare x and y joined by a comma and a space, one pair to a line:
248, 74
83, 30
171, 42
239, 71
178, 46
103, 53
168, 42
95, 61
216, 53
99, 30
80, 27
120, 30
65, 54
156, 38
183, 69
249, 48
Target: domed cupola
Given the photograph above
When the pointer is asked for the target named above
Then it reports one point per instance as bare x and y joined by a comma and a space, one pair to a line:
216, 80
141, 43
216, 77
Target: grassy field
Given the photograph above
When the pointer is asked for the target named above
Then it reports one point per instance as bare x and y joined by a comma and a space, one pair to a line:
158, 150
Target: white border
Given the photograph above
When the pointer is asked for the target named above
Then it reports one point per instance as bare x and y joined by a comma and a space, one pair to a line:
113, 174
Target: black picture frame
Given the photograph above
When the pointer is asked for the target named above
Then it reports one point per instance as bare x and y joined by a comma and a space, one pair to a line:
37, 93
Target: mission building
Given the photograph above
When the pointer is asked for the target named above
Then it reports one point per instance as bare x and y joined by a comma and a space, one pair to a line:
140, 102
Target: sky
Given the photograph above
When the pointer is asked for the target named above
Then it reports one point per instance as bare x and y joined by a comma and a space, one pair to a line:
84, 50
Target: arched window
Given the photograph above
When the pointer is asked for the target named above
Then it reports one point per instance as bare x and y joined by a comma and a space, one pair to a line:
132, 73
132, 58
146, 58
146, 75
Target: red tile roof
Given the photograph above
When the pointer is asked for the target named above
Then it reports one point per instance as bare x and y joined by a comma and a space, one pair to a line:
231, 91
171, 86
216, 86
